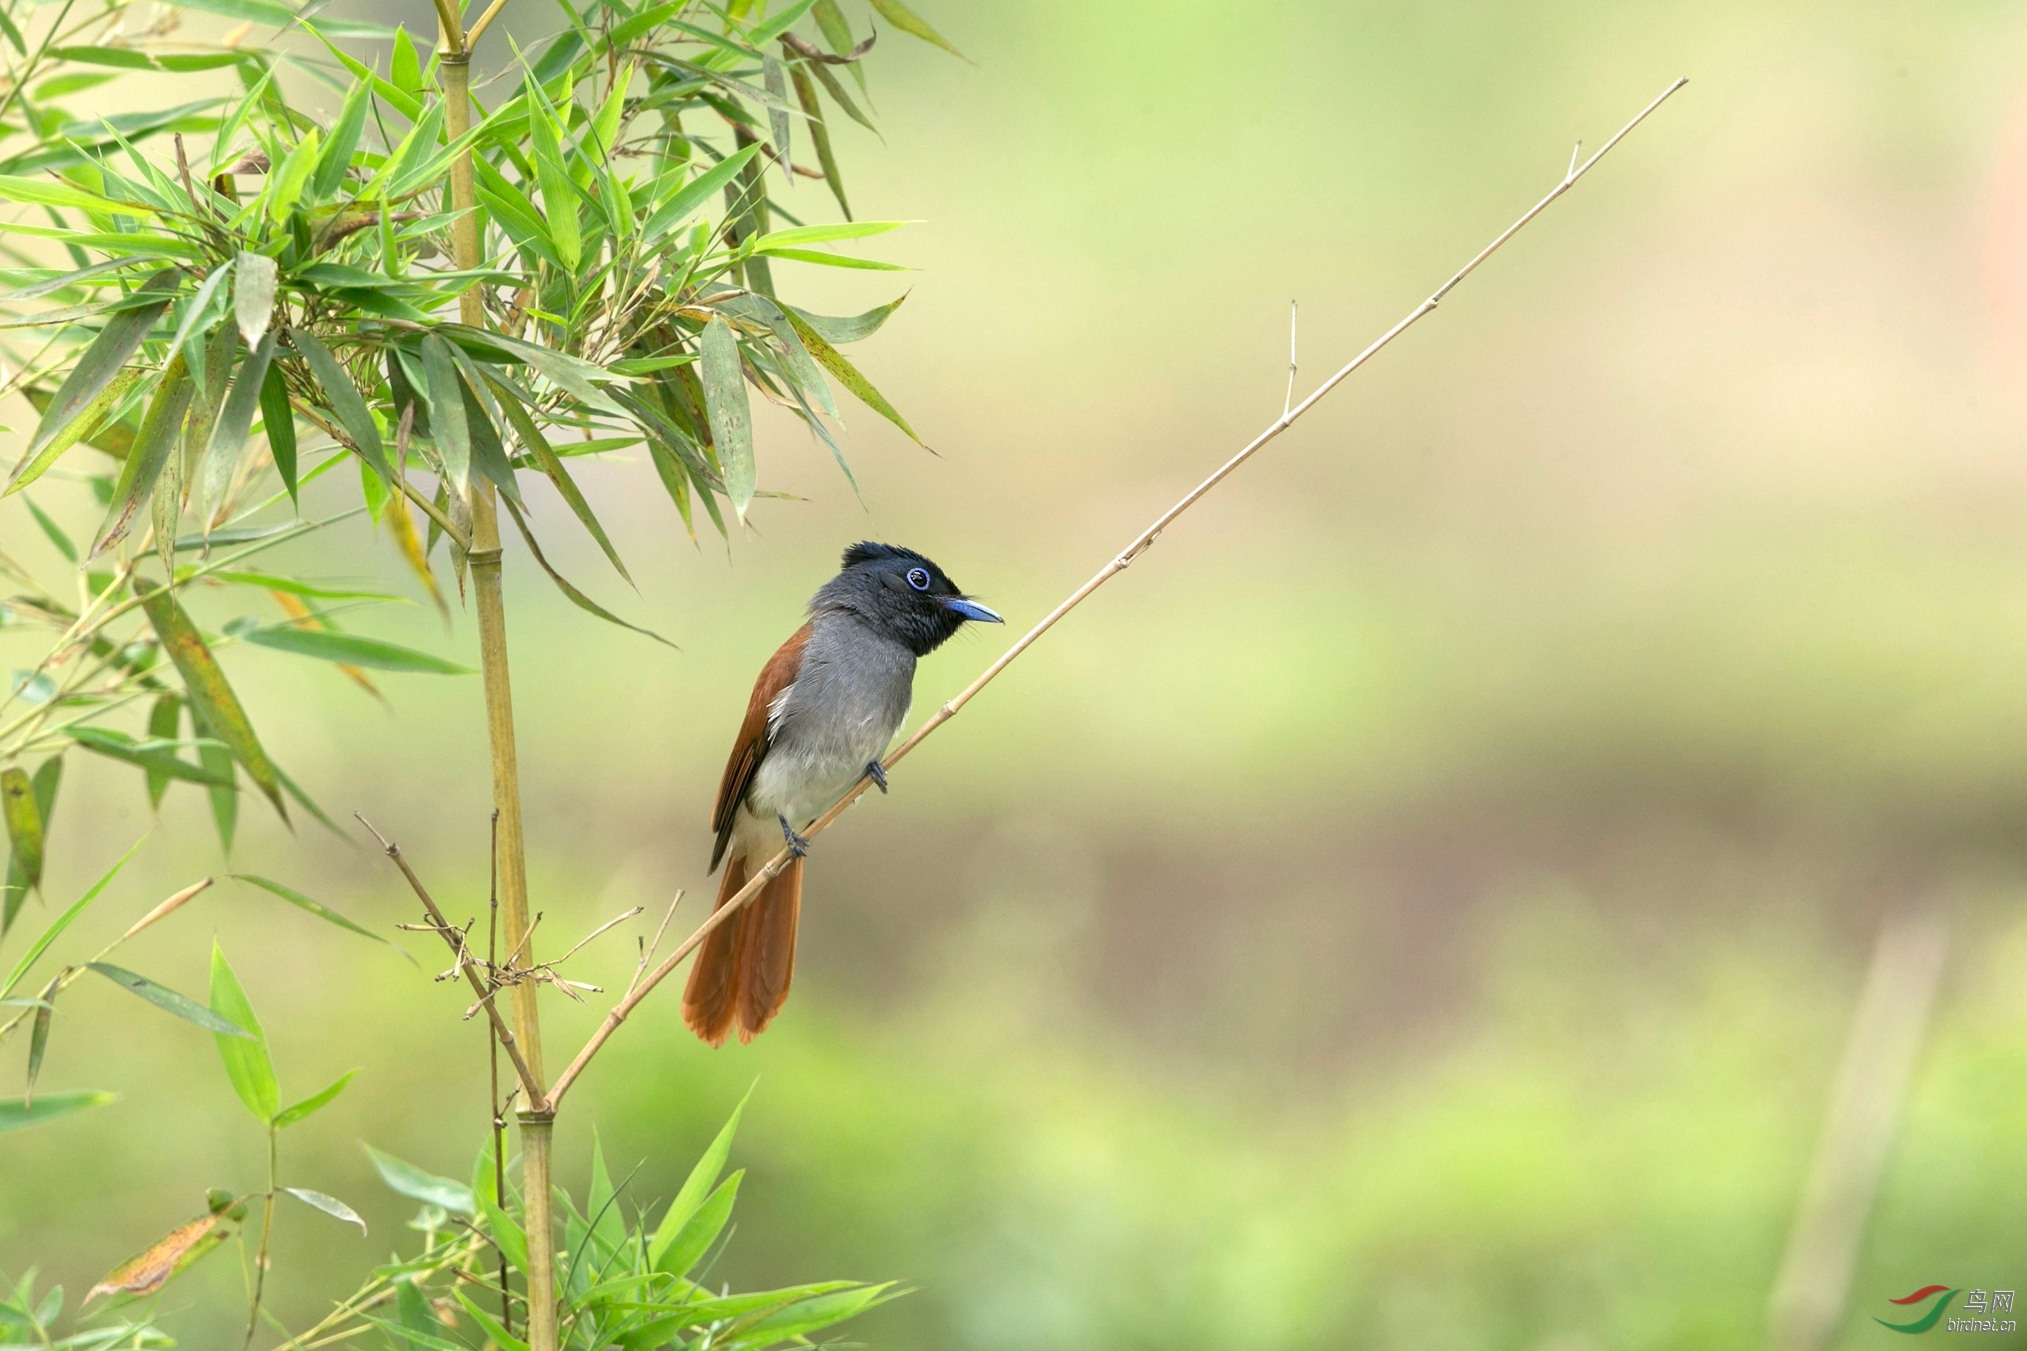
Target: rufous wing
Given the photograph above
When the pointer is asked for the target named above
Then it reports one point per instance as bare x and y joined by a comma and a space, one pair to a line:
751, 747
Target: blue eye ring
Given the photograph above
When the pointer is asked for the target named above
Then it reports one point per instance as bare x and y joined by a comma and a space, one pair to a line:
918, 578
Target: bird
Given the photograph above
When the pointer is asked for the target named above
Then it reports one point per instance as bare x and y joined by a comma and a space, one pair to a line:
820, 717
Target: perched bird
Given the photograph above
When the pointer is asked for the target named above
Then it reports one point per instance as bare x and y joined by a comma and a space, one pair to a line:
821, 715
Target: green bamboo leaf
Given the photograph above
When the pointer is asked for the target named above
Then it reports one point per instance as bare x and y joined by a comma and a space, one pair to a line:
253, 290
13, 34
55, 192
775, 80
571, 593
235, 420
208, 690
97, 367
777, 23
491, 1325
338, 149
330, 1205
305, 904
643, 23
573, 375
150, 452
703, 1176
820, 135
823, 234
286, 182
43, 791
427, 1188
246, 1059
403, 67
119, 57
51, 530
87, 421
18, 1112
695, 193
153, 756
908, 21
848, 375
316, 1102
447, 411
538, 447
802, 1318
269, 12
853, 328
62, 922
731, 416
169, 1001
197, 311
822, 259
489, 453
61, 281
559, 198
294, 586
701, 1230
803, 372
218, 762
507, 1235
351, 409
38, 1036
351, 650
163, 719
24, 826
279, 420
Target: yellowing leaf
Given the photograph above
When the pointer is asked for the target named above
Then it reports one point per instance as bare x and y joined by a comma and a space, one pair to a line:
149, 1271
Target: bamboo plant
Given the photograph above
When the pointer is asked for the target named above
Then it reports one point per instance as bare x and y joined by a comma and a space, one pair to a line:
402, 272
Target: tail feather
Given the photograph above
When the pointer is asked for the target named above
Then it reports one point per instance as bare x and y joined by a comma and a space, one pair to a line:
710, 999
766, 948
744, 967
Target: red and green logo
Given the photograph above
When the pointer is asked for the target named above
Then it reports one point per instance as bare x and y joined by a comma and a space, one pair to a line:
1927, 1320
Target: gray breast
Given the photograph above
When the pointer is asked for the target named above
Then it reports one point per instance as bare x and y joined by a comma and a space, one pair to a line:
847, 702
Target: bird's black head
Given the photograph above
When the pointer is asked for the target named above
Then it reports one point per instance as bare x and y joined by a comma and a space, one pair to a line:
901, 594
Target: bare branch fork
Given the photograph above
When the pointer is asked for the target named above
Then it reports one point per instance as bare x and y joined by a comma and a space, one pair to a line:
640, 989
531, 1087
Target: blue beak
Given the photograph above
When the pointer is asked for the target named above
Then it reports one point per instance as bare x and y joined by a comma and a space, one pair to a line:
971, 609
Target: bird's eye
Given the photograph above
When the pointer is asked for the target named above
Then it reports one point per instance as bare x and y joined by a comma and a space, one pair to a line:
918, 578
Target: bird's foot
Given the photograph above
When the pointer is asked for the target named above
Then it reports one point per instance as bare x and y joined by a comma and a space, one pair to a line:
796, 844
877, 775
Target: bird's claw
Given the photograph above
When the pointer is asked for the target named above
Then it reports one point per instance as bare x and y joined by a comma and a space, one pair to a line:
797, 845
877, 775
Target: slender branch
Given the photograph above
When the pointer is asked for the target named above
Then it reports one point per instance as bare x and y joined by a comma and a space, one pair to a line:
260, 1257
530, 1085
485, 21
1120, 562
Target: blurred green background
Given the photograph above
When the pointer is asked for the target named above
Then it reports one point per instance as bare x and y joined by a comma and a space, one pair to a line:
1421, 904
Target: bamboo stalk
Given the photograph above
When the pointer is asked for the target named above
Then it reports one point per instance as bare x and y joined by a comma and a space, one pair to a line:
536, 1117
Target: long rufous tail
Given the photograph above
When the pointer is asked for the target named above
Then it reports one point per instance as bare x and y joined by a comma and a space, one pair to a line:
743, 970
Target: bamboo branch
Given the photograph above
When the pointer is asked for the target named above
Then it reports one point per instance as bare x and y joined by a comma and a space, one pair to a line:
1119, 563
530, 1085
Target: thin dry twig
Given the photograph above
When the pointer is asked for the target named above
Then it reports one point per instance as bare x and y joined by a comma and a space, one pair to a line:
1288, 398
537, 1099
1118, 564
648, 950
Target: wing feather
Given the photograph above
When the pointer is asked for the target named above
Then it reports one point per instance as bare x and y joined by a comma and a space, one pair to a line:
754, 737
